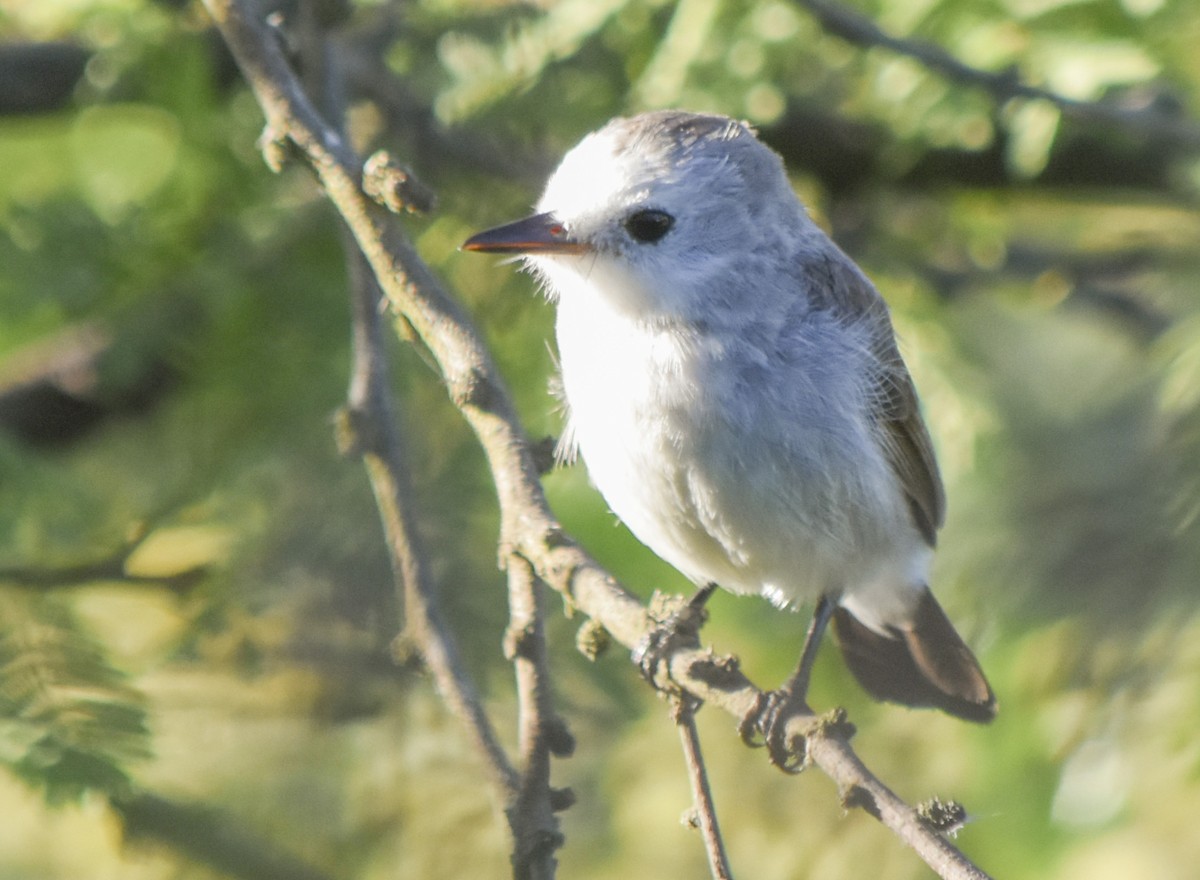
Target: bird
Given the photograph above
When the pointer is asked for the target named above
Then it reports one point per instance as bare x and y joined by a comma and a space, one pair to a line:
733, 383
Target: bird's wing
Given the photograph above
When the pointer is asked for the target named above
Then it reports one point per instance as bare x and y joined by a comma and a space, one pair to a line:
894, 398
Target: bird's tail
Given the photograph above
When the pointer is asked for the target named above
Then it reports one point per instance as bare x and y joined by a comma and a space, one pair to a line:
921, 663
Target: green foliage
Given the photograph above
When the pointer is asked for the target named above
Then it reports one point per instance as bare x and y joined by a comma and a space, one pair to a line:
194, 559
68, 721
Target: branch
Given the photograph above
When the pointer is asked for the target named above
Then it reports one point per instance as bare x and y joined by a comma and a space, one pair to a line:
704, 811
849, 155
111, 567
542, 732
369, 427
1107, 282
529, 532
530, 801
1003, 86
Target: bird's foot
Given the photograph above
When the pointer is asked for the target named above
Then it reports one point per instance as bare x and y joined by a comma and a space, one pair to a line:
766, 724
771, 714
678, 627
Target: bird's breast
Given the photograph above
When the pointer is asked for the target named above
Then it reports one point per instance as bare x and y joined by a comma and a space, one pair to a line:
632, 392
757, 472
637, 412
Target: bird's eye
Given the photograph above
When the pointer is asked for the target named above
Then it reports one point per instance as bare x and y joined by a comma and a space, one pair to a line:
649, 226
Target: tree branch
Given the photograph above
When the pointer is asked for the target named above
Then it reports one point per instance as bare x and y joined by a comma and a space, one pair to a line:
111, 567
704, 810
528, 797
369, 427
529, 532
1002, 86
542, 732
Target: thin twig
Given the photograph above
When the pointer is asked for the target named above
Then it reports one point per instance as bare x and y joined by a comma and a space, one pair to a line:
1003, 86
110, 568
684, 712
370, 427
542, 733
528, 529
115, 566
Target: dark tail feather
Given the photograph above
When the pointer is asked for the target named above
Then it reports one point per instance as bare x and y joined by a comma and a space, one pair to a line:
924, 663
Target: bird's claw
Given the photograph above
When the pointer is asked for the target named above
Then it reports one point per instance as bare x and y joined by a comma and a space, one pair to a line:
678, 629
766, 724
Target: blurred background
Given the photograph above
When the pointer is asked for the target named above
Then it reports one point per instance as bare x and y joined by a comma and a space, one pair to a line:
197, 677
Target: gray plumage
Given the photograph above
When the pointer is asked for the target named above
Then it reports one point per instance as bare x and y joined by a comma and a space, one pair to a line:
735, 389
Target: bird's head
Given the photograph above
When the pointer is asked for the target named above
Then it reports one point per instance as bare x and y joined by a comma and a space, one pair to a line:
659, 211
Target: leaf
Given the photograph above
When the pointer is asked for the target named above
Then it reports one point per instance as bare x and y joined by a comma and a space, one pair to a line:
1033, 126
68, 722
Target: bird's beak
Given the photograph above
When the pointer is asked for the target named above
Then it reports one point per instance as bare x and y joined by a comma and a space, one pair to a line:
540, 234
